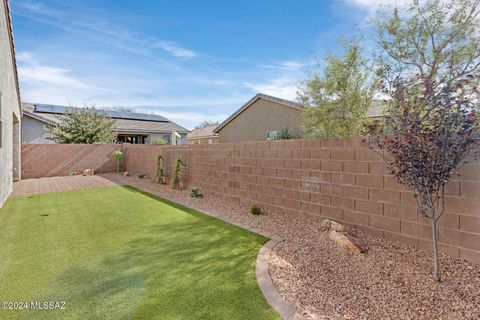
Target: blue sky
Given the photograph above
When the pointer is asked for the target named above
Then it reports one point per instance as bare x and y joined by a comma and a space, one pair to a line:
187, 60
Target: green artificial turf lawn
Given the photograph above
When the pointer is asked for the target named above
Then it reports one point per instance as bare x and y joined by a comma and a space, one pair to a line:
118, 253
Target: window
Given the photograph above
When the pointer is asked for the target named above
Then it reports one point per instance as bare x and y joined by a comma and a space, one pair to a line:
272, 135
131, 139
167, 138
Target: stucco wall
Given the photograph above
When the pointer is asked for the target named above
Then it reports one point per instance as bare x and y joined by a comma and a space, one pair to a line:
203, 140
253, 123
10, 109
33, 131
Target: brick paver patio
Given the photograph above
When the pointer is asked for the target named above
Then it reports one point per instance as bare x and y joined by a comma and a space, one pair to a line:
59, 184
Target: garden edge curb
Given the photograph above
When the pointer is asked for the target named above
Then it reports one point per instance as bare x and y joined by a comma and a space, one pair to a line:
274, 299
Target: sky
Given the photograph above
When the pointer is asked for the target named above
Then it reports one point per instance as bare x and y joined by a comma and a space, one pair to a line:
189, 61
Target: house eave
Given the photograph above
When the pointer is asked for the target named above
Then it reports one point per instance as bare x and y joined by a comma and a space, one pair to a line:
12, 47
250, 102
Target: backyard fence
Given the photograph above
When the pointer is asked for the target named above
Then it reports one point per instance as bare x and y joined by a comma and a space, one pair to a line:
50, 160
340, 179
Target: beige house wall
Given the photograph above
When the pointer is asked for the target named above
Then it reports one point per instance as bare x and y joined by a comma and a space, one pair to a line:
9, 110
263, 115
34, 131
203, 140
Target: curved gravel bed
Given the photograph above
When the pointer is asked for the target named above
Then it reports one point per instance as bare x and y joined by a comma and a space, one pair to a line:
391, 281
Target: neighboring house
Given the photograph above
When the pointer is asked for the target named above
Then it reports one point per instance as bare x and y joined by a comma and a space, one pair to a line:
261, 118
10, 108
130, 127
377, 110
203, 135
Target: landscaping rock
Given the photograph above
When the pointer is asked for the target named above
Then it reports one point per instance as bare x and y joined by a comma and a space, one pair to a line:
88, 172
126, 174
337, 233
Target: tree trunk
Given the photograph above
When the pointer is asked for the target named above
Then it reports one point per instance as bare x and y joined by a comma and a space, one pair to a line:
118, 166
436, 263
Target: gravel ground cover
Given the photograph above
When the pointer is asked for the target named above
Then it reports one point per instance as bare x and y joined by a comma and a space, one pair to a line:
391, 281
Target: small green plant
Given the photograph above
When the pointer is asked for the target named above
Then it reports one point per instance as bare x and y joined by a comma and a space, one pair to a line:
118, 155
141, 175
158, 140
255, 209
285, 134
160, 175
72, 173
176, 176
196, 193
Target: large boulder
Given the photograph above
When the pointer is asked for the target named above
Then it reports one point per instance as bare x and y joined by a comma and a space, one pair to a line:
337, 232
88, 172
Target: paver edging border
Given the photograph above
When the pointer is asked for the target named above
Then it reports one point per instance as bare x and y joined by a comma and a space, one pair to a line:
274, 299
265, 283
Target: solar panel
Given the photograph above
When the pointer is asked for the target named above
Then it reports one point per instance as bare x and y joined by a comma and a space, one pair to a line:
44, 108
135, 116
59, 109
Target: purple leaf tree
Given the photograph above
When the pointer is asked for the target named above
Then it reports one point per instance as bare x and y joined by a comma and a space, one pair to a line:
431, 130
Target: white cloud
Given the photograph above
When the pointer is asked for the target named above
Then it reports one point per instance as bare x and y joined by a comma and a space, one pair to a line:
289, 65
174, 49
282, 87
373, 5
52, 76
96, 28
283, 79
190, 119
34, 74
30, 71
46, 83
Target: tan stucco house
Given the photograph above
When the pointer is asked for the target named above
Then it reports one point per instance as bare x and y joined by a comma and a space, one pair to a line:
10, 110
205, 135
261, 118
130, 127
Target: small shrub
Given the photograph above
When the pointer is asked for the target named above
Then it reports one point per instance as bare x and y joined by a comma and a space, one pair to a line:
285, 134
141, 175
176, 177
118, 155
160, 175
158, 140
255, 209
196, 193
72, 173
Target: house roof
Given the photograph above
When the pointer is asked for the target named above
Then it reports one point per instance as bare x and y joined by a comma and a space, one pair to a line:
124, 121
250, 102
377, 109
205, 132
8, 15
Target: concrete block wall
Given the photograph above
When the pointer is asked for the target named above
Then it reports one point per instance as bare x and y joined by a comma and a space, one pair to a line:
50, 160
340, 179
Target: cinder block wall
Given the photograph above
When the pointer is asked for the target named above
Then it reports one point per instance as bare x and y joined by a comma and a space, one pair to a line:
340, 179
50, 160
